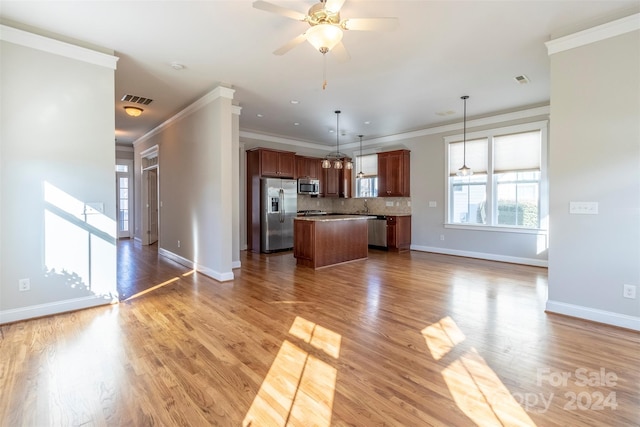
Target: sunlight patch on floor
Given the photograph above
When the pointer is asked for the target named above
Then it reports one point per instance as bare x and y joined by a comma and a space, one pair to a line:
146, 291
476, 389
299, 387
442, 337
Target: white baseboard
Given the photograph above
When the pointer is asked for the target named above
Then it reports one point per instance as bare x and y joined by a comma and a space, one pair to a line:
57, 307
220, 277
236, 264
481, 255
594, 314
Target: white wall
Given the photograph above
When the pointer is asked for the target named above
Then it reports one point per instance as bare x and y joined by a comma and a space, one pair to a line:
56, 154
595, 157
196, 180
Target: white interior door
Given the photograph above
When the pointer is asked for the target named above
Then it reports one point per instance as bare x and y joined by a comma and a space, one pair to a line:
152, 203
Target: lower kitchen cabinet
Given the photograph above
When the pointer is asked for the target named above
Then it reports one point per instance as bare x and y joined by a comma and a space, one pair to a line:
398, 232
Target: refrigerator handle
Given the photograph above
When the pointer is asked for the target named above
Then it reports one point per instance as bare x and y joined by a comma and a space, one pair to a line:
282, 212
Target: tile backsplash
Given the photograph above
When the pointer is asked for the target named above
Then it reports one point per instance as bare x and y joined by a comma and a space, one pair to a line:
376, 205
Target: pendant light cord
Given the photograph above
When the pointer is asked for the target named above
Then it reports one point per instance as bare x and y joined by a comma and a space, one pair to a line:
464, 133
338, 131
324, 71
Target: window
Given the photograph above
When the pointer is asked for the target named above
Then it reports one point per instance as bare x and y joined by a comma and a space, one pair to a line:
507, 186
368, 185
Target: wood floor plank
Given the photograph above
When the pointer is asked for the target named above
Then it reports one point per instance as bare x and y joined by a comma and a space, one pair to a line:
399, 339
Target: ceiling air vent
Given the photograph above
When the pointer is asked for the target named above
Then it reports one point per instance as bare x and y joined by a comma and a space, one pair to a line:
137, 99
522, 79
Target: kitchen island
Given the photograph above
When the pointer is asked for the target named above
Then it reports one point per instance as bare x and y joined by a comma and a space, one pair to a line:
321, 241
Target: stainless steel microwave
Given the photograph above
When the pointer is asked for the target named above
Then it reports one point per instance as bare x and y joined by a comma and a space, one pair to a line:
308, 186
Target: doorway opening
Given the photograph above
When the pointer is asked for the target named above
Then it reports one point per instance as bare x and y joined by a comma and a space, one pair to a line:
150, 216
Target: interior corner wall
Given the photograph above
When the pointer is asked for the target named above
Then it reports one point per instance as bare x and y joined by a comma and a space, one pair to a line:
56, 165
595, 157
195, 183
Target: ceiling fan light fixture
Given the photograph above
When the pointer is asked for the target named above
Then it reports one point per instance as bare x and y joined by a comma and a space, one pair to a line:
324, 37
133, 111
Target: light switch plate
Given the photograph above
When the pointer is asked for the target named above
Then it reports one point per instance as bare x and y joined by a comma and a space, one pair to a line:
433, 204
389, 204
583, 208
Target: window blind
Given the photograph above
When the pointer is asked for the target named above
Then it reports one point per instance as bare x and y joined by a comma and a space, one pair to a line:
368, 164
517, 152
477, 150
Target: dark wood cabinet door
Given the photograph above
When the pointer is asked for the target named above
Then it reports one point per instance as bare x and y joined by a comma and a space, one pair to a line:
286, 165
331, 181
313, 166
393, 174
399, 233
269, 162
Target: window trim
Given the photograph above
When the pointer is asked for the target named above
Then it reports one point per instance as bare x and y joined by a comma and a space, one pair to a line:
542, 126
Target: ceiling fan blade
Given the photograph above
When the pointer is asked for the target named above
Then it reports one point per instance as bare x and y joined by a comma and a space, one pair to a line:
270, 7
370, 24
341, 53
290, 44
334, 5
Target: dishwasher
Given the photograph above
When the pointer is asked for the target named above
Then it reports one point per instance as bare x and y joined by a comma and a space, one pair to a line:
378, 231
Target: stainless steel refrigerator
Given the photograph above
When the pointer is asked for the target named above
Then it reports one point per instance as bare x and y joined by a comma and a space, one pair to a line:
279, 204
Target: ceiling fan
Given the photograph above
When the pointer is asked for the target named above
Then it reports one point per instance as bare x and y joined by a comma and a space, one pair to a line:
326, 25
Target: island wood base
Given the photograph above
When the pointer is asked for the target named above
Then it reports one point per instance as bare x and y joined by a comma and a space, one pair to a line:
324, 242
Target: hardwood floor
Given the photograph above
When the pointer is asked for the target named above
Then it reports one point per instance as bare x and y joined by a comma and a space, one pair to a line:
405, 339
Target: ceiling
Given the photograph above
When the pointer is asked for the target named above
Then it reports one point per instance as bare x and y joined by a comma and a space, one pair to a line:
395, 82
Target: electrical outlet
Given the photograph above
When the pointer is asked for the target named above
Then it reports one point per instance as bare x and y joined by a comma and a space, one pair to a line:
432, 203
629, 291
388, 204
24, 285
178, 243
442, 237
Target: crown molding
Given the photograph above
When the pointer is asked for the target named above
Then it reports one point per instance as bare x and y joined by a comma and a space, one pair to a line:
218, 92
485, 121
595, 34
56, 47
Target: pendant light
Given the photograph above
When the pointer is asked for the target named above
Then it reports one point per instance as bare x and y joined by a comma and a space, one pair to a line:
464, 170
335, 158
360, 174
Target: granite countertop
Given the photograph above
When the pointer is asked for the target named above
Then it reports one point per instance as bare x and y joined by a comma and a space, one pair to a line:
344, 217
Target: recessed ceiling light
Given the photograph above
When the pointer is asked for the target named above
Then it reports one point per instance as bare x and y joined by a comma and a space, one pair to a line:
367, 122
296, 124
259, 115
331, 131
294, 101
177, 66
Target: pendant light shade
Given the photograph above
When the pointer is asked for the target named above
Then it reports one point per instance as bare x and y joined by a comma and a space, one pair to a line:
360, 174
464, 170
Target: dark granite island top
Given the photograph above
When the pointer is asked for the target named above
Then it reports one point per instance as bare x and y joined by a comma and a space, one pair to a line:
321, 241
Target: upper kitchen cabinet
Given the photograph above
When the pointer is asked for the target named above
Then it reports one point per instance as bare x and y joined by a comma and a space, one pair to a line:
335, 182
273, 163
307, 167
393, 174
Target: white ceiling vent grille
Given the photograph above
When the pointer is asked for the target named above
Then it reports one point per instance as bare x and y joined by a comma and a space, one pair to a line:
522, 79
137, 99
